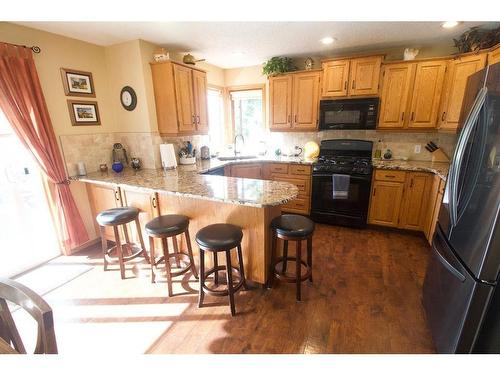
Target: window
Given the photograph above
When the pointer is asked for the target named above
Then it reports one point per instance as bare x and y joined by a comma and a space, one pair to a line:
216, 118
247, 114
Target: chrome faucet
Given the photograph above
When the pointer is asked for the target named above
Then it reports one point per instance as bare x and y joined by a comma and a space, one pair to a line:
235, 148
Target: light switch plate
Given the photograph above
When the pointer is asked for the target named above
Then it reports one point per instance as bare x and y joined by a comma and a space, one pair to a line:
417, 149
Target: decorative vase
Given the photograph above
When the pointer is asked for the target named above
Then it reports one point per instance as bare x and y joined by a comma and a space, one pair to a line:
103, 167
388, 154
117, 167
135, 163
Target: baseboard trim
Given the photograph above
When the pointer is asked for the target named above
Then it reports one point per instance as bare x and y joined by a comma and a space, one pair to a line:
85, 246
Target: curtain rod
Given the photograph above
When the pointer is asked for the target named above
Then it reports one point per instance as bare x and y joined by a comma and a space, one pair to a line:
35, 49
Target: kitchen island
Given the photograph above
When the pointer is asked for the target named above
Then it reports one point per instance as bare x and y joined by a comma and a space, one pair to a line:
205, 199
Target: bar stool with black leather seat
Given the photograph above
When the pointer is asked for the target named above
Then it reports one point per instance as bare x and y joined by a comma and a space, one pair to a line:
115, 217
165, 227
295, 228
218, 238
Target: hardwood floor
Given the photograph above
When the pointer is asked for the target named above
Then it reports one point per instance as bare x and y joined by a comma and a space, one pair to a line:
366, 298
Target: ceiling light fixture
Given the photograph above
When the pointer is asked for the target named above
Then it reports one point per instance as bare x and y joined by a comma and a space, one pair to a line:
449, 24
238, 54
327, 40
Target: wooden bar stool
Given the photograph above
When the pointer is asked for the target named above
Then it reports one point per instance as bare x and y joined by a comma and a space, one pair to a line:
115, 217
221, 238
291, 228
165, 227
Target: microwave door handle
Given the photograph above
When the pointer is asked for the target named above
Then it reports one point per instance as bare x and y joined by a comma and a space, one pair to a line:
470, 122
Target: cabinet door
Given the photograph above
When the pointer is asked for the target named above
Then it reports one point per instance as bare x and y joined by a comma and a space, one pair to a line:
415, 201
184, 98
335, 78
426, 96
396, 85
365, 76
305, 100
148, 207
435, 198
200, 100
280, 92
103, 197
454, 91
494, 55
246, 171
385, 203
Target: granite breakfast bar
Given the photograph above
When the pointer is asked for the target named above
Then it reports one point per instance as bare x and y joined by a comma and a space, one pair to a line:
205, 199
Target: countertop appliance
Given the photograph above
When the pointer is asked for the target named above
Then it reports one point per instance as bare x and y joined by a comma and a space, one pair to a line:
167, 154
461, 295
348, 113
350, 162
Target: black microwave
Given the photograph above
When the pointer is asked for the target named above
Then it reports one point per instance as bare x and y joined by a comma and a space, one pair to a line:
348, 114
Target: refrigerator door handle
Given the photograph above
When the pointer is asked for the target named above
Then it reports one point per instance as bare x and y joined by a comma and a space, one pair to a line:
459, 152
447, 264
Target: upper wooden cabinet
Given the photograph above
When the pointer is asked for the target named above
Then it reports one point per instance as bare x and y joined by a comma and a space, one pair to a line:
494, 55
181, 98
428, 85
458, 71
351, 77
397, 83
294, 101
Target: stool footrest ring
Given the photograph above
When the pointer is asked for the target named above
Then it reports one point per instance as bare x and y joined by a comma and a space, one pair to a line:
182, 256
290, 279
224, 292
136, 251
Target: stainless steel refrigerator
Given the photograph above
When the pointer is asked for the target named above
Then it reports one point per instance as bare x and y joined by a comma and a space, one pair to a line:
461, 295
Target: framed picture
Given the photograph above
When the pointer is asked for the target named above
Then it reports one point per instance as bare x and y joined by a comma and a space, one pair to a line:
83, 113
77, 83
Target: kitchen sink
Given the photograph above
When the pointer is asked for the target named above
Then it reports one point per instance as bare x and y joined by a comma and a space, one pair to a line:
236, 157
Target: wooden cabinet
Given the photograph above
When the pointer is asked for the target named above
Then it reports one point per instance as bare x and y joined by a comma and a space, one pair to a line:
427, 88
434, 205
457, 73
181, 99
399, 199
351, 77
103, 197
415, 201
280, 90
397, 82
253, 170
294, 101
147, 203
494, 55
335, 78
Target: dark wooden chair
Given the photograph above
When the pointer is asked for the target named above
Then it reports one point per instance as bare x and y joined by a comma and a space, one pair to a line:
35, 305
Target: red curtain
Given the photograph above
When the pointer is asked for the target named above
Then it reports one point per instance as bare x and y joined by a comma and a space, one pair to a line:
23, 103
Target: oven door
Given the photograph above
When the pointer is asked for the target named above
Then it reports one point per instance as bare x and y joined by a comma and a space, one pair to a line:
353, 208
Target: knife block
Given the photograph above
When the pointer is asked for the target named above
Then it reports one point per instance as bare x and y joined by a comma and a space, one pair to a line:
440, 156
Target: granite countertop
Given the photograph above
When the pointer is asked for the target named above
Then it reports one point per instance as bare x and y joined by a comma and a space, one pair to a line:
438, 168
214, 163
187, 180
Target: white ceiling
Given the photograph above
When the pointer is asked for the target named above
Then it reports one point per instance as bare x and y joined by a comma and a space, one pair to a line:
237, 44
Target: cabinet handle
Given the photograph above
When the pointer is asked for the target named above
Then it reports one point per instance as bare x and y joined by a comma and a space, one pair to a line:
402, 116
295, 119
411, 183
194, 119
289, 118
443, 116
353, 84
117, 195
374, 191
197, 119
412, 116
153, 202
345, 86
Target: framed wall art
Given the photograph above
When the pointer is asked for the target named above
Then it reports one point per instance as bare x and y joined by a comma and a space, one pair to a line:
83, 113
77, 83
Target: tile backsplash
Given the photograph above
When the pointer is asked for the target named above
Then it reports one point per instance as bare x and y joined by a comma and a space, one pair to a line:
95, 149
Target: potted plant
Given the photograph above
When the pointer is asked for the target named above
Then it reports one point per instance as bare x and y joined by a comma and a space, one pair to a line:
277, 65
477, 38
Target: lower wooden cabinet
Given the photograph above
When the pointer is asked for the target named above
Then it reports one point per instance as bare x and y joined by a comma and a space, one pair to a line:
251, 170
103, 197
400, 199
435, 199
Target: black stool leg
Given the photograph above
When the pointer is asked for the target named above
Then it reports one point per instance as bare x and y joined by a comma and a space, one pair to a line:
119, 250
229, 275
216, 273
104, 244
285, 256
201, 294
176, 251
270, 277
242, 269
152, 258
190, 252
167, 266
298, 267
309, 257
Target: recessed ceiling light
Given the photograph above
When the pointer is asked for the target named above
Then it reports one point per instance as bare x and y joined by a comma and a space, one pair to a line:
238, 54
327, 40
449, 24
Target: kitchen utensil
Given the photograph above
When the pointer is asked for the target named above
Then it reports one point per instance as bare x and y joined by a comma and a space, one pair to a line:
135, 163
433, 145
189, 147
429, 148
167, 154
205, 153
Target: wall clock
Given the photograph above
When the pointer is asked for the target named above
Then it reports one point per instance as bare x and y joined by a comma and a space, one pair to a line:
128, 98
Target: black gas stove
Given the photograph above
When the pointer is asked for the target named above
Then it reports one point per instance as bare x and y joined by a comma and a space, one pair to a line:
348, 161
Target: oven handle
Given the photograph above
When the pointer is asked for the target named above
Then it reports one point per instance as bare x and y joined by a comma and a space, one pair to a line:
364, 177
